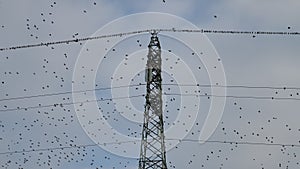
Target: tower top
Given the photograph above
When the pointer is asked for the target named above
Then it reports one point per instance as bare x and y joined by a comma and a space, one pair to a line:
154, 42
154, 32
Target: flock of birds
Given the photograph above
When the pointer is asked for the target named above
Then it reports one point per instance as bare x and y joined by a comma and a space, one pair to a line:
39, 126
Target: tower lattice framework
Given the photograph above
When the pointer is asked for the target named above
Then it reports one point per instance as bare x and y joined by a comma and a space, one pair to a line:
153, 152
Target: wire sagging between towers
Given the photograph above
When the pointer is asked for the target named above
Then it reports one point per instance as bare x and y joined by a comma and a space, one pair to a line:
203, 31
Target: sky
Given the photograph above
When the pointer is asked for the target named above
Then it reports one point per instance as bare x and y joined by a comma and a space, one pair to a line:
45, 123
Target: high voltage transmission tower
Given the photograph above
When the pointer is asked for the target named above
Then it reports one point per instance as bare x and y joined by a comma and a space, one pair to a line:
153, 151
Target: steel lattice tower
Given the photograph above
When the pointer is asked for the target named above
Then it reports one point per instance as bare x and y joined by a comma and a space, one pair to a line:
153, 152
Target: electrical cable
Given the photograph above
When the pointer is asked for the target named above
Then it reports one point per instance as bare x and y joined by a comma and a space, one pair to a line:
142, 95
170, 139
142, 84
203, 31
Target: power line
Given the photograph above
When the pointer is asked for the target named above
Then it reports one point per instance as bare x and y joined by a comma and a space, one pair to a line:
142, 84
238, 86
62, 147
203, 31
237, 142
142, 95
237, 97
68, 92
73, 40
170, 139
69, 103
